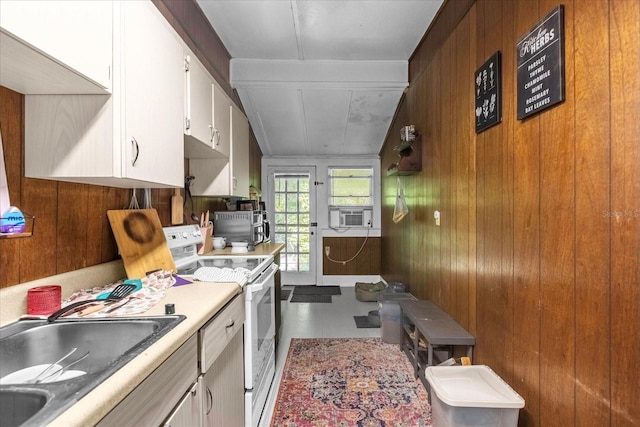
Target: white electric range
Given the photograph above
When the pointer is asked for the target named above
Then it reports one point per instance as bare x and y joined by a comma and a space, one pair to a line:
259, 295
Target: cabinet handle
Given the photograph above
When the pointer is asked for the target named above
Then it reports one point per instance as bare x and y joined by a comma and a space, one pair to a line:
230, 323
215, 135
134, 145
209, 401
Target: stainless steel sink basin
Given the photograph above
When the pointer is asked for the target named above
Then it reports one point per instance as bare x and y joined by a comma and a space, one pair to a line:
109, 342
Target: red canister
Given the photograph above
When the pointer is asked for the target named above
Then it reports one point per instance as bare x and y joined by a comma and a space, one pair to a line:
44, 299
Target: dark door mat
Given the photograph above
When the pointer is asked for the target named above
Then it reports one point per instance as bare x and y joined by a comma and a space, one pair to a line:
285, 294
317, 290
310, 298
363, 322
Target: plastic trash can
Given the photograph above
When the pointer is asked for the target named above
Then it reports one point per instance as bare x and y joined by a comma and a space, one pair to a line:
395, 287
471, 396
391, 315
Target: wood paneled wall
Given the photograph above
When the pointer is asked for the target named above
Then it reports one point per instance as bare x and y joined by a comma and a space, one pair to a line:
538, 251
366, 262
71, 227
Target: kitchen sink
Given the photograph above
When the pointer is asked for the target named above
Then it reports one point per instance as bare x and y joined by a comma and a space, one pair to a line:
102, 346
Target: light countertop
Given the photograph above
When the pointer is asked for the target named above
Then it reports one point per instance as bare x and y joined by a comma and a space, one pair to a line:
269, 248
199, 302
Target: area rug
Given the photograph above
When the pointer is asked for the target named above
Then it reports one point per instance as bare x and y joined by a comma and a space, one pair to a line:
311, 298
341, 382
317, 290
284, 295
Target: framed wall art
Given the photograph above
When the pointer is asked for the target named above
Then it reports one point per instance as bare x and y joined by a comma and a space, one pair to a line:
488, 93
540, 58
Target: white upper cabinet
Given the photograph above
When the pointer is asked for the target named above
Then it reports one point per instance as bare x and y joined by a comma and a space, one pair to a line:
153, 96
55, 47
221, 120
133, 138
206, 113
240, 153
219, 177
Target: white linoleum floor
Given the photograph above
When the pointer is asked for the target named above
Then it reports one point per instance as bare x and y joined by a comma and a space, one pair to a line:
317, 320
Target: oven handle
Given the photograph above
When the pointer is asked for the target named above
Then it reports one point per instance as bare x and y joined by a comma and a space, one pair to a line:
263, 279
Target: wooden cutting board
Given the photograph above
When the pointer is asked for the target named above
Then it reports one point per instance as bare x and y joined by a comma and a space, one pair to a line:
141, 241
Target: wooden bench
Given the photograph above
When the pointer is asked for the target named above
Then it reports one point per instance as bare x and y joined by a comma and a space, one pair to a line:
424, 319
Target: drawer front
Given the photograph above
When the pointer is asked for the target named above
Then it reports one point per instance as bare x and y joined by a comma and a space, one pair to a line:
216, 334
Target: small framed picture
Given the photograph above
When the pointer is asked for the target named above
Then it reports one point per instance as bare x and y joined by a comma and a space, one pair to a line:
488, 93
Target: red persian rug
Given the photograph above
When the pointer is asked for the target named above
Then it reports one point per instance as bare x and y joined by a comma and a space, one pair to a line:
340, 382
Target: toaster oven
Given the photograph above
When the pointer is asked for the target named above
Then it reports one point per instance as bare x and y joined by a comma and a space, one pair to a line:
239, 226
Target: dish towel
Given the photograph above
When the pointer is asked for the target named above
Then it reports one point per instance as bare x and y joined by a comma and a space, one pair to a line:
215, 274
154, 288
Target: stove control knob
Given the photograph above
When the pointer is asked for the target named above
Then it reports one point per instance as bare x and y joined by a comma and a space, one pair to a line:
184, 235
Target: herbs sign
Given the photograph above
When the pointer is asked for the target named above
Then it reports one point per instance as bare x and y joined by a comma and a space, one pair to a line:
540, 56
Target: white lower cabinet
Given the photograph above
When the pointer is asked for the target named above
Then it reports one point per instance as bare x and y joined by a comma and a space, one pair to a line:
153, 400
222, 367
188, 413
200, 384
223, 387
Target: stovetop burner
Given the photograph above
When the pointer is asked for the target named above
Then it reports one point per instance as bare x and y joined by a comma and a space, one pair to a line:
183, 241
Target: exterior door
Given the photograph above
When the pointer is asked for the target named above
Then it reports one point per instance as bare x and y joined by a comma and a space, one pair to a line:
292, 194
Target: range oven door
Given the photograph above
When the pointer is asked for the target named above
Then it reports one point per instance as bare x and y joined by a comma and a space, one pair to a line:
260, 327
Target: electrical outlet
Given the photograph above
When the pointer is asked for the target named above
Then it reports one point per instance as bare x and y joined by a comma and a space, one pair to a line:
327, 250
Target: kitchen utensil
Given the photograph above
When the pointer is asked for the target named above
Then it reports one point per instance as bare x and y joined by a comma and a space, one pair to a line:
177, 207
41, 375
120, 304
104, 296
118, 293
140, 240
58, 369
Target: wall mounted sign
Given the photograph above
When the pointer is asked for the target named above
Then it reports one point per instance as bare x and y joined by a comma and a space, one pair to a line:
488, 83
540, 56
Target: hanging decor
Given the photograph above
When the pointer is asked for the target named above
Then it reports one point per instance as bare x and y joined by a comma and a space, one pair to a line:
488, 87
540, 55
401, 209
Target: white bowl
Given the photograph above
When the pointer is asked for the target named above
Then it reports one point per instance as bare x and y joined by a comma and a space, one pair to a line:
240, 244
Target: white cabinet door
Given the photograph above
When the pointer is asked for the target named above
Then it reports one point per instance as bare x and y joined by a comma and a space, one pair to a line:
153, 96
221, 120
215, 177
240, 153
133, 138
56, 46
223, 394
204, 137
189, 412
153, 400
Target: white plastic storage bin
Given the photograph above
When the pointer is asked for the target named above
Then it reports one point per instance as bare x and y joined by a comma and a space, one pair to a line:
471, 396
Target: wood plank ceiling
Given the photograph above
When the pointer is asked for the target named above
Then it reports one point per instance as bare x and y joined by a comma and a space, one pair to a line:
320, 77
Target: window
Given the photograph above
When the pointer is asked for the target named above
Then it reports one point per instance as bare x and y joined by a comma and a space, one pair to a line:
351, 187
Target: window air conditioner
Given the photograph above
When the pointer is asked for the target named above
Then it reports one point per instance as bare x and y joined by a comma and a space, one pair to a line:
349, 217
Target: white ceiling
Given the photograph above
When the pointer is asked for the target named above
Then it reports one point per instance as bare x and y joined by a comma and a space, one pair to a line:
320, 77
